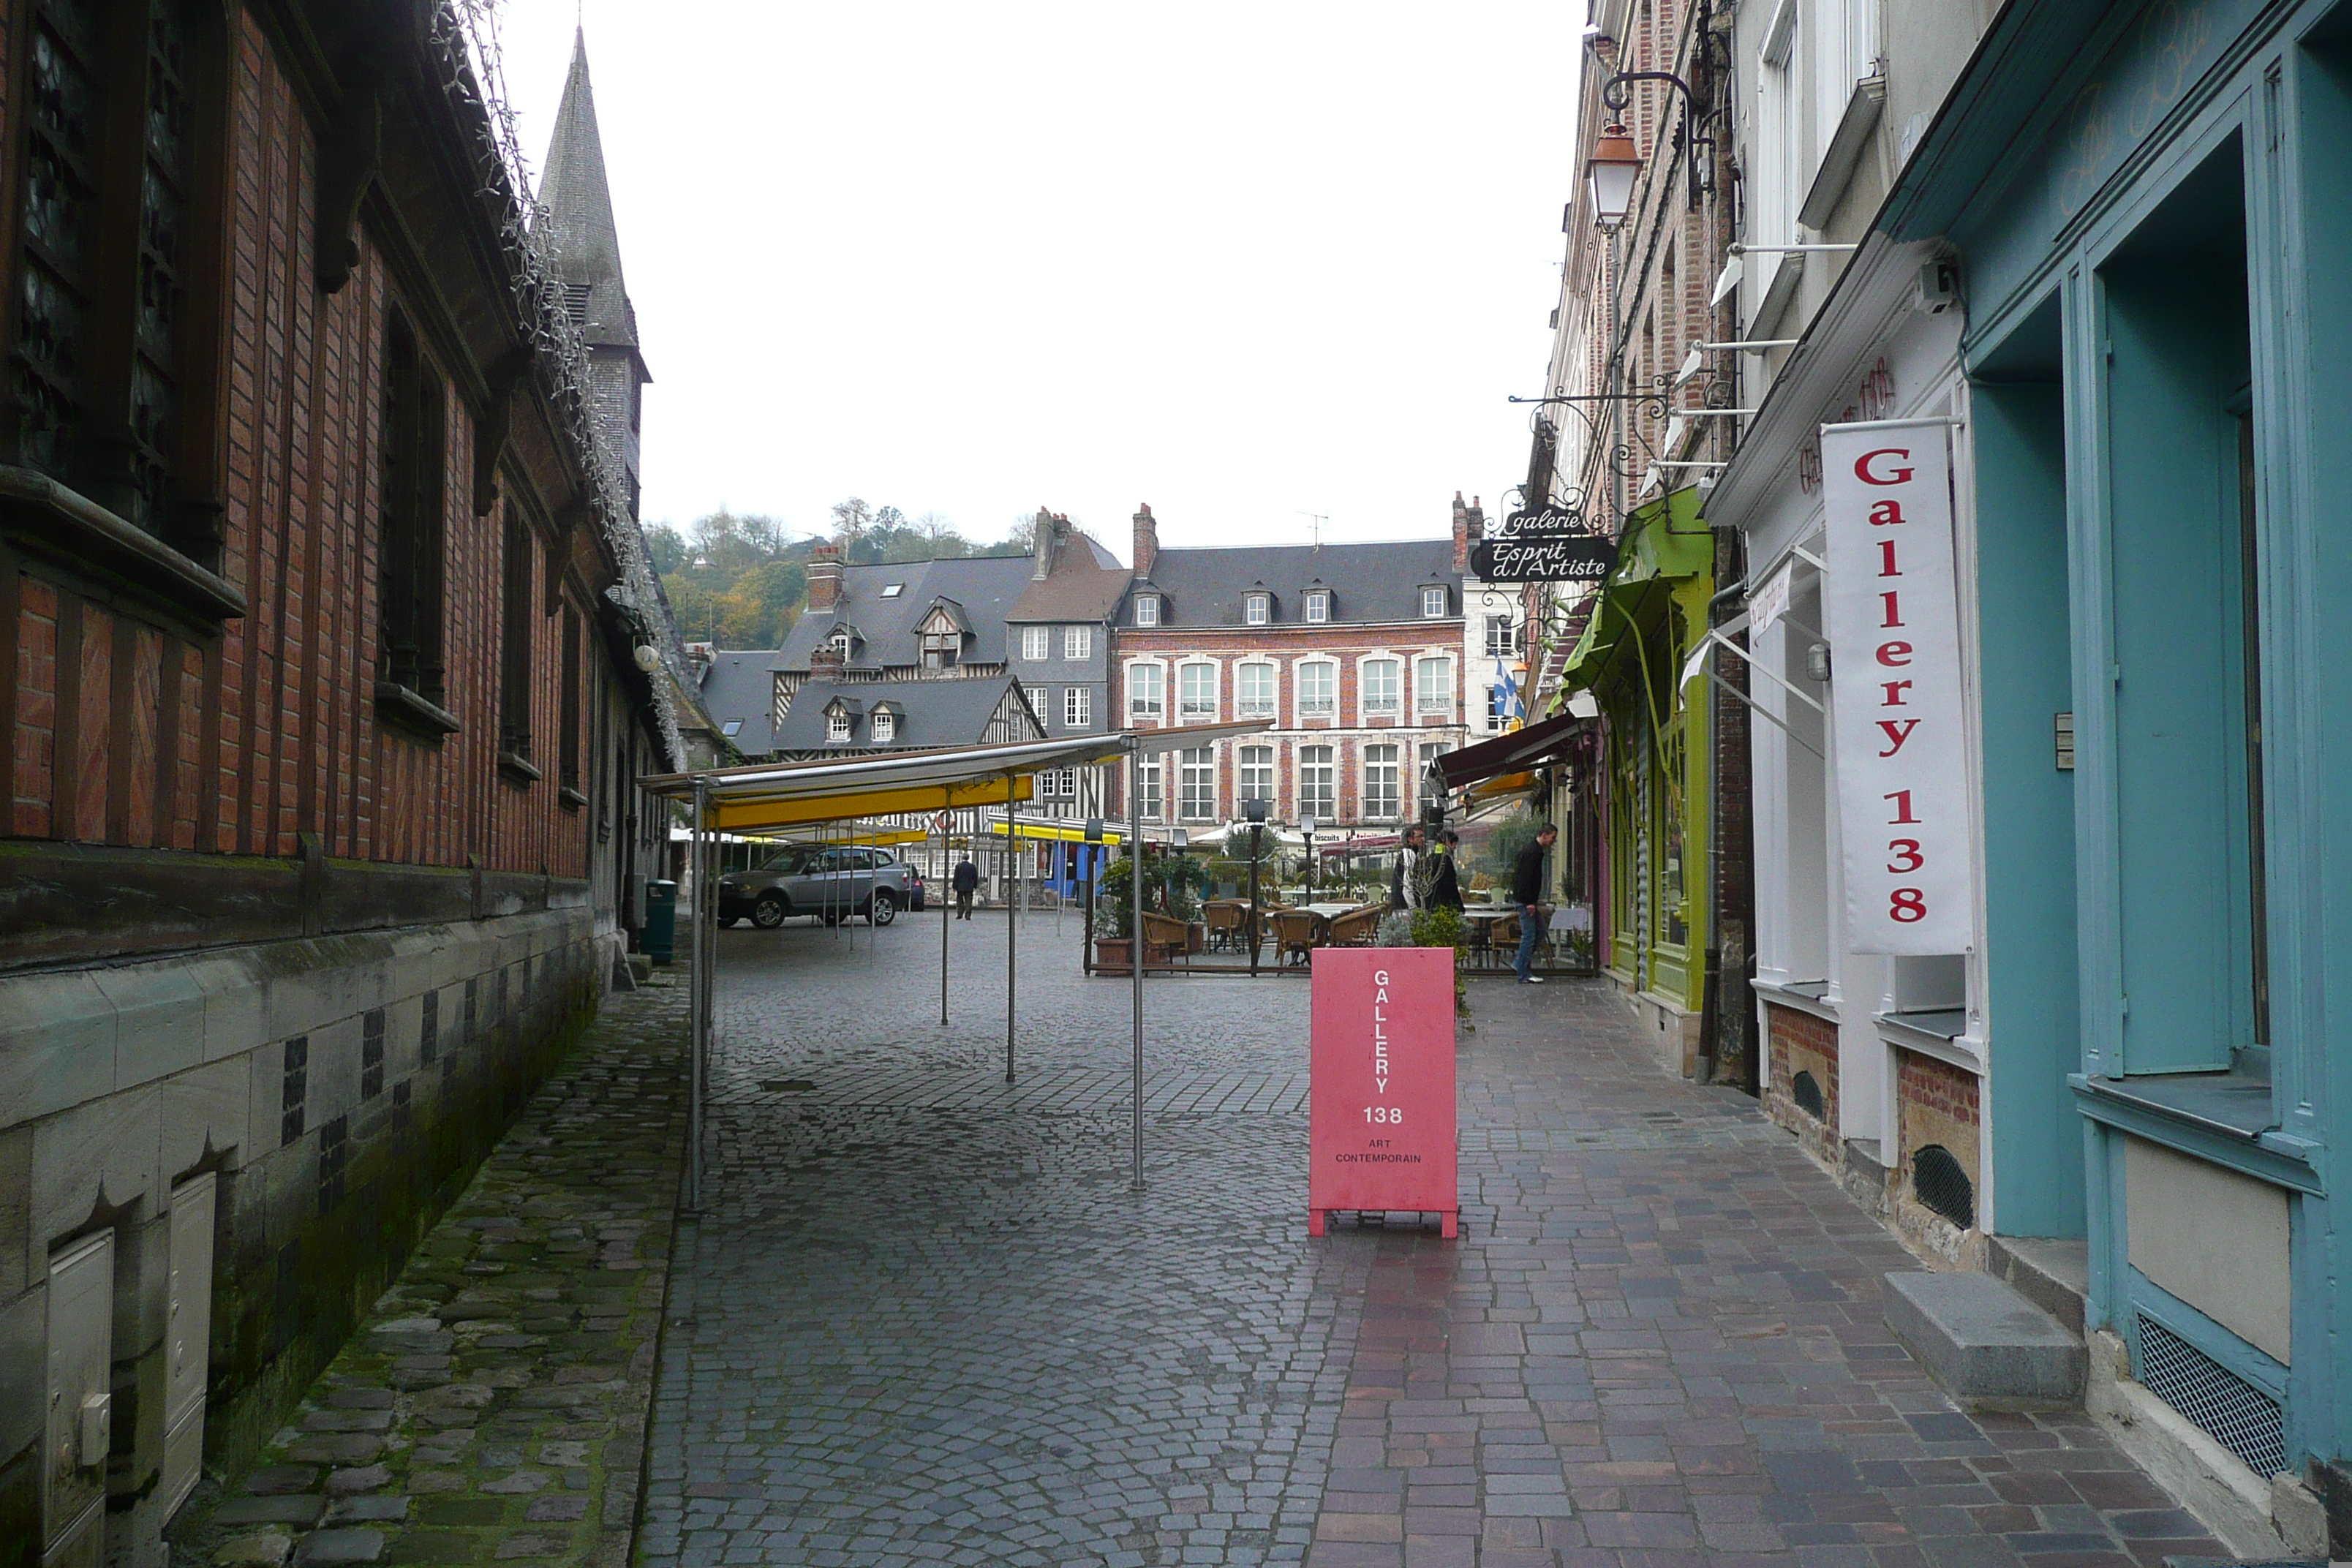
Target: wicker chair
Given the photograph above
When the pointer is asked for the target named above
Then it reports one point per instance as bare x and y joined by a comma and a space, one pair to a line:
1294, 932
1226, 920
1504, 942
1165, 936
1357, 928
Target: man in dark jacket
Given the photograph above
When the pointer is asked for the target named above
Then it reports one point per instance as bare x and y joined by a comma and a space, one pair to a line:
1526, 891
1446, 893
1403, 893
966, 882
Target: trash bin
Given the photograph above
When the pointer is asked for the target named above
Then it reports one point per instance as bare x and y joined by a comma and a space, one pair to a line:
660, 935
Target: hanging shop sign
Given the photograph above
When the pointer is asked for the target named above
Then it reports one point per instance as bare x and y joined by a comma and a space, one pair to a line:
1381, 1084
1893, 628
1544, 544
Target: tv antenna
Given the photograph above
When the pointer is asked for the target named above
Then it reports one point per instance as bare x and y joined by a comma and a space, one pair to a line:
1316, 520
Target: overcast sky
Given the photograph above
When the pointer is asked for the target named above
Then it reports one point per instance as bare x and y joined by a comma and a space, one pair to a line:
1244, 261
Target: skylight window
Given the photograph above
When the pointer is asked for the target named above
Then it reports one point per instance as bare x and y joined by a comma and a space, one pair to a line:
892, 590
731, 728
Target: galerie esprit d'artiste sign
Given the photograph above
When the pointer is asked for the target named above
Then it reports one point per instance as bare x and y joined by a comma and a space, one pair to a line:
1381, 1101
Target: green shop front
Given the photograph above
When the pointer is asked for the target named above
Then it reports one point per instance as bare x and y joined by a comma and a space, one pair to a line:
2151, 205
1649, 785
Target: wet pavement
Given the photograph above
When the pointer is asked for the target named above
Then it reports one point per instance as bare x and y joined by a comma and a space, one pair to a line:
923, 1319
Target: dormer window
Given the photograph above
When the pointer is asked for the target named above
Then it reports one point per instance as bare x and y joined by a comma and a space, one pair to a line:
836, 727
1257, 609
1433, 602
884, 726
1146, 609
840, 644
1319, 603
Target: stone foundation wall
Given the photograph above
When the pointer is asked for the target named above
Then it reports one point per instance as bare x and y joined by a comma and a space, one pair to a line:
1936, 1107
339, 1091
1800, 1042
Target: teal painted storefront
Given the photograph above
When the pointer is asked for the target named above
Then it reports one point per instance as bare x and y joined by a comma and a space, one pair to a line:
2152, 208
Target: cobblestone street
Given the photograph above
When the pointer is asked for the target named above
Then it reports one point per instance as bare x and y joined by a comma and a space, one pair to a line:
924, 1319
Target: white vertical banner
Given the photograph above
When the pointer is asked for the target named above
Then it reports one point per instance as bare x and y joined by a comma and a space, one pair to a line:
1893, 628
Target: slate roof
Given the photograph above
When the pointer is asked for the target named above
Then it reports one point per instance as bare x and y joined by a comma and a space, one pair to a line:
952, 712
983, 589
1203, 588
576, 229
741, 684
1085, 584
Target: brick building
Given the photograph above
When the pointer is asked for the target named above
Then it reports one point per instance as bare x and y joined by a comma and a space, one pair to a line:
1355, 652
323, 708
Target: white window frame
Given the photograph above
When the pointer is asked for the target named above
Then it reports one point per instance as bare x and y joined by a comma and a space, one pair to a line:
1257, 609
1196, 783
1036, 644
1322, 808
837, 729
1318, 605
1367, 706
1148, 782
1498, 708
1146, 609
1077, 707
1254, 772
1502, 638
1437, 703
1299, 689
1391, 796
1077, 642
1433, 602
1244, 707
1189, 709
1156, 710
882, 726
1779, 133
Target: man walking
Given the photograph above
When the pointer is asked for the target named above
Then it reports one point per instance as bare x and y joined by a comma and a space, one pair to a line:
966, 882
1526, 891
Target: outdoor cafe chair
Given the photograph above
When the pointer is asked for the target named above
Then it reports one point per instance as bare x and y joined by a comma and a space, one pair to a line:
1294, 932
1357, 928
1226, 920
1165, 936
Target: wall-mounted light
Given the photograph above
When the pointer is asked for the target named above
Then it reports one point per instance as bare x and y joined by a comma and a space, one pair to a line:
1609, 175
647, 656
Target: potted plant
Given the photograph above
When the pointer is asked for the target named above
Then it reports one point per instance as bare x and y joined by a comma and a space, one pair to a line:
1114, 918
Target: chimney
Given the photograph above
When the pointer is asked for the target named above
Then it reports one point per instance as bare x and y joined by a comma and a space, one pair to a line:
825, 577
1461, 534
1045, 543
1147, 540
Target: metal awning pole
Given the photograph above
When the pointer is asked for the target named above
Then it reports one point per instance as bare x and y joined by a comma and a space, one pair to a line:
698, 983
947, 919
1012, 926
1135, 947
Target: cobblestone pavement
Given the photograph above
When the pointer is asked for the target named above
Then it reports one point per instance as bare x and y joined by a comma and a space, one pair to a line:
924, 1320
492, 1407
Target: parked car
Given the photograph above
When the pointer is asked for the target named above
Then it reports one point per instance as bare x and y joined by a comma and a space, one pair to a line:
914, 889
833, 882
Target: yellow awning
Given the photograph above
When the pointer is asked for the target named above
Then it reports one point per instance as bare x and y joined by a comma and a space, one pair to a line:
1062, 831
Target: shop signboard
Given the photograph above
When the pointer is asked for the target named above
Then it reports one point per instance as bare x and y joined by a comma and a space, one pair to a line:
1894, 625
1381, 1095
1544, 544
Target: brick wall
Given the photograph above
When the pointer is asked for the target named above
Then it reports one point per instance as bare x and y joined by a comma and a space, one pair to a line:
1801, 1042
134, 729
1936, 1103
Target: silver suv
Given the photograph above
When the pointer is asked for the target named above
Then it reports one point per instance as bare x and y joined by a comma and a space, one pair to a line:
833, 882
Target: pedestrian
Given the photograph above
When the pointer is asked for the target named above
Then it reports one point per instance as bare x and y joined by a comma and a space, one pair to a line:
1404, 892
1526, 891
966, 882
1445, 888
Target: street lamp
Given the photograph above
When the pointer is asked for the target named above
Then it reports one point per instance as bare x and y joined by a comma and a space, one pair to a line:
1255, 810
1609, 175
1307, 830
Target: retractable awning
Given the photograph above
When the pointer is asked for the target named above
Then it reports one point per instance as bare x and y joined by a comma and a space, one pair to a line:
768, 795
1517, 753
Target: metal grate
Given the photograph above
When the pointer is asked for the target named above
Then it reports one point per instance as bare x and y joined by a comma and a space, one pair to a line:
2229, 1409
1806, 1090
1944, 1186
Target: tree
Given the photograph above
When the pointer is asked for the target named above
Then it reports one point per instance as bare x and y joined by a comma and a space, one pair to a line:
665, 548
851, 518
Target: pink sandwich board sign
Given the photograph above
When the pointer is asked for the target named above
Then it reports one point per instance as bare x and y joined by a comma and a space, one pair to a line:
1381, 1093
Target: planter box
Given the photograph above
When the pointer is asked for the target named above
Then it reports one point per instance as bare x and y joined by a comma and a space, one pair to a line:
1113, 954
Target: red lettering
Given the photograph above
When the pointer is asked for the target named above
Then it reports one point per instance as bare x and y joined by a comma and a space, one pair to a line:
1896, 654
1893, 617
1887, 559
1907, 905
1892, 688
1898, 731
1907, 851
1862, 469
1902, 818
1886, 513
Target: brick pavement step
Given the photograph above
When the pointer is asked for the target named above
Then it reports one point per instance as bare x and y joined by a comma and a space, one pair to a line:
1990, 1347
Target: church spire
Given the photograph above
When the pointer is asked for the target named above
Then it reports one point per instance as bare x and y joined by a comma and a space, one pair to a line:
575, 224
